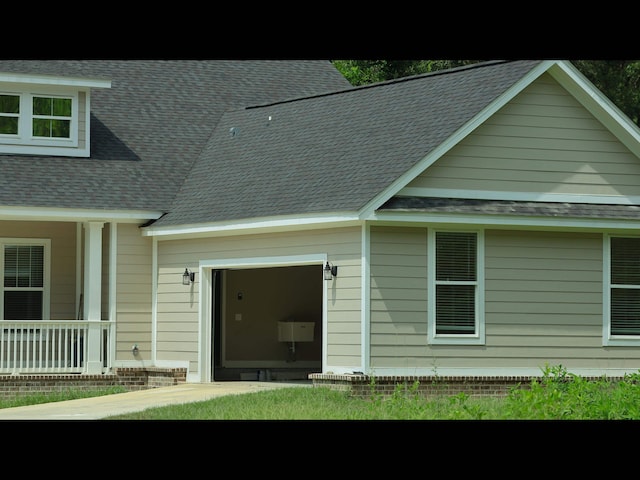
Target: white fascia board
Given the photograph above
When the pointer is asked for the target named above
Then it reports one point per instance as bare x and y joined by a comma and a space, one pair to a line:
34, 79
245, 226
569, 77
503, 221
454, 139
76, 215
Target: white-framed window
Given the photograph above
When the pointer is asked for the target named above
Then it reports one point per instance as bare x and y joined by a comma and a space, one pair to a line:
9, 114
455, 305
24, 264
51, 116
622, 290
38, 119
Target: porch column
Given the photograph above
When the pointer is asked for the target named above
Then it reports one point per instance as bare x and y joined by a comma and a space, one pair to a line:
93, 293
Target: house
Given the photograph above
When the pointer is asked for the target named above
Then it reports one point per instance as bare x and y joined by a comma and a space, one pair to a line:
266, 220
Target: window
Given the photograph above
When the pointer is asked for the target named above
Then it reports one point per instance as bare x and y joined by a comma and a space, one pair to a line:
623, 318
455, 300
51, 117
24, 280
9, 114
38, 120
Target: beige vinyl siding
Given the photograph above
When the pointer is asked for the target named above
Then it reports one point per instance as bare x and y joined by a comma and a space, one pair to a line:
63, 260
543, 303
541, 141
398, 286
177, 307
544, 296
133, 292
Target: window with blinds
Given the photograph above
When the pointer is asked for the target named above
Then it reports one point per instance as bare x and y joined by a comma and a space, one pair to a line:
456, 283
23, 286
625, 286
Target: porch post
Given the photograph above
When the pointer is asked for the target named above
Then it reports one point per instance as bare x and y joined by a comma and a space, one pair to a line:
93, 293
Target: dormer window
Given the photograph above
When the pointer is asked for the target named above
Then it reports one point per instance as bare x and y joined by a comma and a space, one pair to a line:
46, 115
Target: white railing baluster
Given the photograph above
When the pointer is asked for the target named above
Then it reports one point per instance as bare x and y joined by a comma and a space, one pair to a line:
49, 346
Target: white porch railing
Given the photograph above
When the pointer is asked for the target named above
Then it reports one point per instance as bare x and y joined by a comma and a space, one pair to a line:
48, 346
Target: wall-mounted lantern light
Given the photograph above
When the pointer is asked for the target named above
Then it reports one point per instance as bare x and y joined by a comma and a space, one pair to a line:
330, 271
188, 277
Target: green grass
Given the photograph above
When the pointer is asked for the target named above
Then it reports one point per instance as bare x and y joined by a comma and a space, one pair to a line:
557, 396
70, 394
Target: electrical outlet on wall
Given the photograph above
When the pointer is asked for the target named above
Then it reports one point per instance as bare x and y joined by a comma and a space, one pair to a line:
238, 317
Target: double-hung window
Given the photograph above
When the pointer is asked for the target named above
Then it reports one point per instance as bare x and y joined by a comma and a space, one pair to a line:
455, 299
24, 286
622, 291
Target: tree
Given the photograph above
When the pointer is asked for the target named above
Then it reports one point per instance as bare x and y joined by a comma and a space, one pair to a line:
364, 72
619, 80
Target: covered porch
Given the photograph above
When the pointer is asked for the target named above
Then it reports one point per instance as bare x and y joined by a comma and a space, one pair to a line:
56, 305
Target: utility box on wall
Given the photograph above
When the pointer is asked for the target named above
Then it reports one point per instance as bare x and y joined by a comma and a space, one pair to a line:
295, 331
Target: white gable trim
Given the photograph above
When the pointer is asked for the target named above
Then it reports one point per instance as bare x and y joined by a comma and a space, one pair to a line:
454, 139
597, 104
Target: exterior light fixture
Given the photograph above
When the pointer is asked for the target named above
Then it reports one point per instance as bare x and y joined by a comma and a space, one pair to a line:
188, 277
330, 271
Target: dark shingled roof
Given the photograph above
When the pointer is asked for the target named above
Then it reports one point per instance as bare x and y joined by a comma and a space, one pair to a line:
332, 153
509, 207
149, 127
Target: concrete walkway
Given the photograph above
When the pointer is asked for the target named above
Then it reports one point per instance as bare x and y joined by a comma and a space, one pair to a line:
108, 405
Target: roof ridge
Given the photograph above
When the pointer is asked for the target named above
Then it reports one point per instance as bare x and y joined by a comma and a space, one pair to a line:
409, 78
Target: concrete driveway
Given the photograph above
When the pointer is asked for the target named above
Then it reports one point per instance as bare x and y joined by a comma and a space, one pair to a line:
105, 406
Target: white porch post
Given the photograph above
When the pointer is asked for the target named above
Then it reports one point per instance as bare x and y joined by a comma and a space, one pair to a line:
93, 293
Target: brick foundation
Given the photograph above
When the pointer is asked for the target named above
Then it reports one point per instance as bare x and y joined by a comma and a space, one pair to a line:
131, 378
365, 385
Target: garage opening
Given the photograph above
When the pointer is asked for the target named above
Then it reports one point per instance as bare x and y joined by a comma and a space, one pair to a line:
267, 323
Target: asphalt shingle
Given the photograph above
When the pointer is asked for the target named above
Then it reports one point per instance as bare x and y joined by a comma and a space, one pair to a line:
149, 127
332, 153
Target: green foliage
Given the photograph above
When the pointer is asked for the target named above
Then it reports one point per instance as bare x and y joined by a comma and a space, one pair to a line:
563, 396
364, 72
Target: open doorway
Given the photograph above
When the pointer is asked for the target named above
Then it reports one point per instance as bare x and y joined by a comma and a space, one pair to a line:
255, 312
